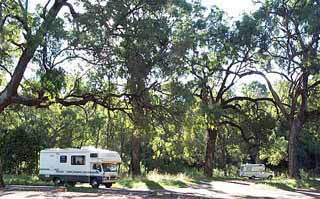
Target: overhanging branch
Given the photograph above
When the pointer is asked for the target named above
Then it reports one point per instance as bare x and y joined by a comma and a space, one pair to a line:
275, 95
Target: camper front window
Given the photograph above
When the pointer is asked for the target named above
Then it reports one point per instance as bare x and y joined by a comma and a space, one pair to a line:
108, 167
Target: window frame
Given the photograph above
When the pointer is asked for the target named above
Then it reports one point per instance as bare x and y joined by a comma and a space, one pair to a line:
93, 155
73, 159
63, 157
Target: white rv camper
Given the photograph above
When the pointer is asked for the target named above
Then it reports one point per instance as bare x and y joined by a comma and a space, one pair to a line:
87, 165
255, 171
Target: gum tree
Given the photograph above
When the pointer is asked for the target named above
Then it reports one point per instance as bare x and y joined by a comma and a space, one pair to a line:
133, 46
292, 34
220, 56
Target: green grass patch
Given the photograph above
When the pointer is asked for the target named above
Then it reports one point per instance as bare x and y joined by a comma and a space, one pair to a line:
174, 183
25, 180
155, 181
130, 183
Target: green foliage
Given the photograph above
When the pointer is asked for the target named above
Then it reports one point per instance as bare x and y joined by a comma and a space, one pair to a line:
255, 89
53, 81
18, 160
276, 151
166, 71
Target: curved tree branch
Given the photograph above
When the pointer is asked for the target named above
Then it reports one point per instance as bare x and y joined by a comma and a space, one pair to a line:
33, 42
275, 95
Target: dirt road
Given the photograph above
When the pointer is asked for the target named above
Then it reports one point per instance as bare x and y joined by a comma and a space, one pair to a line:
213, 189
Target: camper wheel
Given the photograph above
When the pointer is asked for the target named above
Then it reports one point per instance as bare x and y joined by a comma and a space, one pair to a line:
108, 185
57, 181
94, 183
269, 177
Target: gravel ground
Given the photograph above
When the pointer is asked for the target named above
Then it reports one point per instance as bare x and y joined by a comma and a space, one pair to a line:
214, 189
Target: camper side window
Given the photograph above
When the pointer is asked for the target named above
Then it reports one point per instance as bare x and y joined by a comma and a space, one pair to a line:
93, 155
78, 160
63, 159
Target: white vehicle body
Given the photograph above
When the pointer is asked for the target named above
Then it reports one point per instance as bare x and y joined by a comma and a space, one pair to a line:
71, 165
255, 171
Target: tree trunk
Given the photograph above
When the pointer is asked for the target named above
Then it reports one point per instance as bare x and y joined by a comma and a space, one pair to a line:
256, 154
139, 119
211, 144
2, 185
295, 129
222, 143
139, 123
135, 155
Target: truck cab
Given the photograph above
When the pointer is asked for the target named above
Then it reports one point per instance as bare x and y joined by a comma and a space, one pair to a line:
107, 171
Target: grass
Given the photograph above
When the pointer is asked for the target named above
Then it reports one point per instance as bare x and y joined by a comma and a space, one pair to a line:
25, 180
155, 181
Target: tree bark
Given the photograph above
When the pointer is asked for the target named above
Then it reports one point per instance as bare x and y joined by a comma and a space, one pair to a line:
211, 144
135, 155
139, 118
296, 125
295, 129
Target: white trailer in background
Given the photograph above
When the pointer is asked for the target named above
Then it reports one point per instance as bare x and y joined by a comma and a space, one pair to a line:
255, 171
85, 165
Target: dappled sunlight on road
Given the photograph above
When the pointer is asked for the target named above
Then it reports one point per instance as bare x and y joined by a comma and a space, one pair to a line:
200, 189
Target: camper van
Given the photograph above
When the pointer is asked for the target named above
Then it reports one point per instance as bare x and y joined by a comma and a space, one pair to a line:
255, 171
85, 165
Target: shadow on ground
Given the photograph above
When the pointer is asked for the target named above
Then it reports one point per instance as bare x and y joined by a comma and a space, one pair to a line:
153, 185
199, 189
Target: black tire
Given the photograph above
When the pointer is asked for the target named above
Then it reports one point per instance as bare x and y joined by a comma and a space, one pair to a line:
94, 183
269, 177
57, 181
108, 185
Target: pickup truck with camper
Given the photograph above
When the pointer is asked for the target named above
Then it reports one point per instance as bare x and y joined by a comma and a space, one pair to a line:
253, 171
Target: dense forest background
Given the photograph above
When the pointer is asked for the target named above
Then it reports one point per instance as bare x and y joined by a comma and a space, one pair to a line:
171, 85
